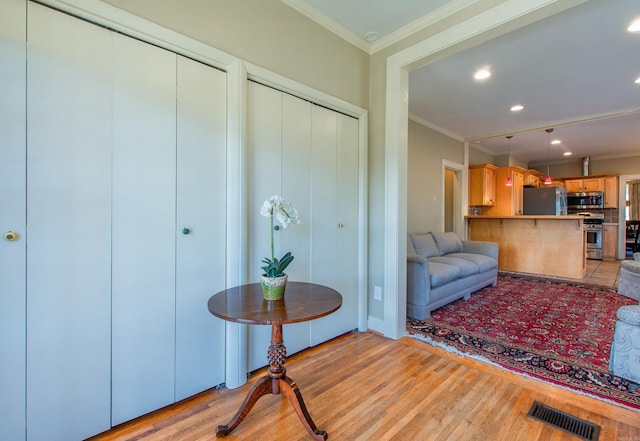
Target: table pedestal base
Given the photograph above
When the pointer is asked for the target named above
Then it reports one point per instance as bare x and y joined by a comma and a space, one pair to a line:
267, 385
276, 383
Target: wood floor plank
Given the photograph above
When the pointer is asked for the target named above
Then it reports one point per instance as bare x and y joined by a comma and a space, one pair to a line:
362, 386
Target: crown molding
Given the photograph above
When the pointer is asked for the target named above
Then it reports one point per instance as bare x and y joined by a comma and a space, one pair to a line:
342, 31
323, 20
415, 118
420, 24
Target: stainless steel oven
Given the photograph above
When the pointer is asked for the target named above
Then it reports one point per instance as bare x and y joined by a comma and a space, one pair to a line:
593, 235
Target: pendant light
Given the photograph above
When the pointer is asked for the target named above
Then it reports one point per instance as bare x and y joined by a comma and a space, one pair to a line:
548, 179
509, 182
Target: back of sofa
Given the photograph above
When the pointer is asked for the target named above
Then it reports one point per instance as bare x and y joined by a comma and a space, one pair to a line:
434, 244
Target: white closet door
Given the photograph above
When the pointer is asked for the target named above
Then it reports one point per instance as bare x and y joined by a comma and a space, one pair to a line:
265, 171
144, 226
200, 265
13, 218
309, 155
296, 187
341, 228
324, 252
69, 228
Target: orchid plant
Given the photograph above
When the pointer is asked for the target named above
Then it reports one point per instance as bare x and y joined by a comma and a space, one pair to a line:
286, 214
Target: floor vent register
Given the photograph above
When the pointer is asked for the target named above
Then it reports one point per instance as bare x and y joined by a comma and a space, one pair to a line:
563, 421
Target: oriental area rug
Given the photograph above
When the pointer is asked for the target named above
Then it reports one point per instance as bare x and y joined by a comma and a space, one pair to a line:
553, 330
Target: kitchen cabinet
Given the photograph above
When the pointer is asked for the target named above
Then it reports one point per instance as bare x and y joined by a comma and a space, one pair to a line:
508, 198
609, 241
584, 185
610, 192
482, 184
533, 178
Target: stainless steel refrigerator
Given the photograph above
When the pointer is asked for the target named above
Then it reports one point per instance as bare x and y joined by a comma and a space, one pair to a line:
545, 200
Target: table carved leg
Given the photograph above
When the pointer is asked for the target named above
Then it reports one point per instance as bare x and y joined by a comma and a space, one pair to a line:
275, 382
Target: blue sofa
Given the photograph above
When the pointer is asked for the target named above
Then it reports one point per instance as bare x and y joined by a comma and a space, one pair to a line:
625, 349
441, 268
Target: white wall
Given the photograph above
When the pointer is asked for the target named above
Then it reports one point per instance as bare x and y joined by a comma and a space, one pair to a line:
427, 149
269, 34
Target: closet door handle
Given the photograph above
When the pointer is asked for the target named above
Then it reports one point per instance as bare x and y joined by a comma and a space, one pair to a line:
186, 231
10, 236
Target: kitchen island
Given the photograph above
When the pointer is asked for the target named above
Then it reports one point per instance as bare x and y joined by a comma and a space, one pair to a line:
538, 244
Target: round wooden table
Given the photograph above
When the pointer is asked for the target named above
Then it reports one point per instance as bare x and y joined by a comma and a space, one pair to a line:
245, 304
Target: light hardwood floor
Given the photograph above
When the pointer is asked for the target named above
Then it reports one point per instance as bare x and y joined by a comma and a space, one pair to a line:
602, 272
362, 386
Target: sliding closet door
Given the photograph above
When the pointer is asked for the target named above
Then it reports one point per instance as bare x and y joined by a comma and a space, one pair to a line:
279, 145
69, 227
144, 225
335, 220
265, 171
13, 218
309, 155
201, 225
296, 186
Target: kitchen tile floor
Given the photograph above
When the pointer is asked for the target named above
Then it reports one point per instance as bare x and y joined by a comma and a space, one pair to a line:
602, 272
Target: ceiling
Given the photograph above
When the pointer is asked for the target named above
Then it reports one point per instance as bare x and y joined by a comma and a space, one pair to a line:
573, 72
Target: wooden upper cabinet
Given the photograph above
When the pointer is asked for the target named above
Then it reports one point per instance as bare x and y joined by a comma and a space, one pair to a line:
482, 184
584, 184
508, 198
533, 178
611, 192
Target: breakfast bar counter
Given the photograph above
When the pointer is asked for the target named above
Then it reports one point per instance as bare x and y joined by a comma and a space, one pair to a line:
540, 244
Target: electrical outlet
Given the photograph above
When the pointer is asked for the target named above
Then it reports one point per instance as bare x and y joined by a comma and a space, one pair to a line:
377, 293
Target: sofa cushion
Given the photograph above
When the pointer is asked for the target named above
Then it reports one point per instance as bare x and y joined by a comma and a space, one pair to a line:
485, 263
441, 274
448, 243
410, 248
425, 245
467, 267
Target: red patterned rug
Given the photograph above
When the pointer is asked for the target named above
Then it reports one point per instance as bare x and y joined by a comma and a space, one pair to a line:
555, 330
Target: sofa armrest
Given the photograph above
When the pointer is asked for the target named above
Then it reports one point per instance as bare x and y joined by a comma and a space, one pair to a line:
631, 265
480, 247
418, 282
629, 314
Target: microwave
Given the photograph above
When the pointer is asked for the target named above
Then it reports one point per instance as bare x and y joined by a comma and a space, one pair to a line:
590, 200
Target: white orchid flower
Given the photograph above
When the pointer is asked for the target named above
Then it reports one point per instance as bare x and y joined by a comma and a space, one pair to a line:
286, 214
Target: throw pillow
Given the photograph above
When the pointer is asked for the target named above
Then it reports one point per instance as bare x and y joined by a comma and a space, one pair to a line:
425, 245
448, 243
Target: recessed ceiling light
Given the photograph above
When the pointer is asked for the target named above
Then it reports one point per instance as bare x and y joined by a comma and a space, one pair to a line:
482, 74
567, 153
556, 141
634, 26
637, 81
517, 108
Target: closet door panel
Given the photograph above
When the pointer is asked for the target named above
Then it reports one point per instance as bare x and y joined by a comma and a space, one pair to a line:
345, 265
324, 223
69, 226
144, 225
265, 180
296, 187
201, 225
13, 209
324, 257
